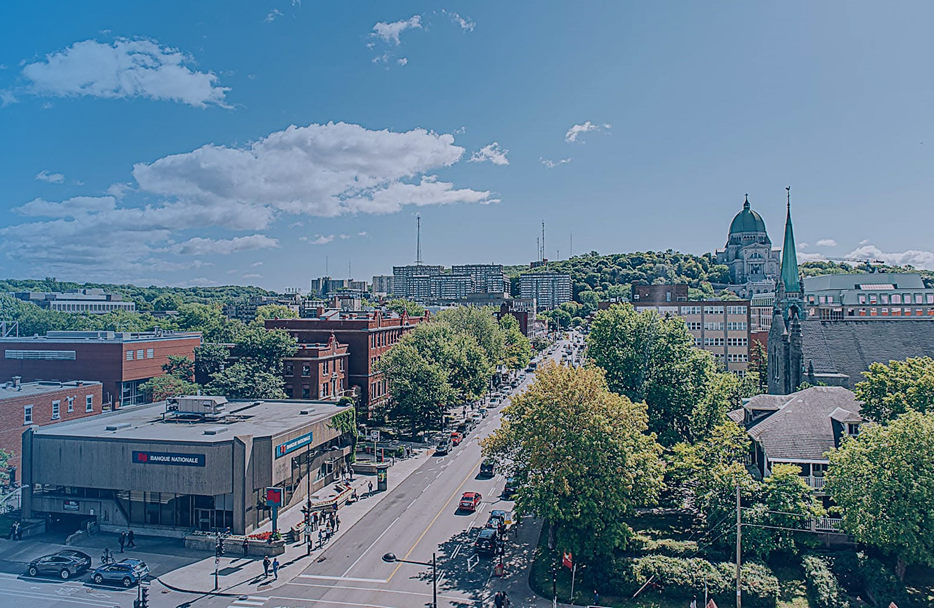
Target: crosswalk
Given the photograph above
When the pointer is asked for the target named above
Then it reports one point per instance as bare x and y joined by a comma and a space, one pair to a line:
249, 601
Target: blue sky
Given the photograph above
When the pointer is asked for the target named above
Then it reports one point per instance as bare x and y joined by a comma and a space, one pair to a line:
255, 142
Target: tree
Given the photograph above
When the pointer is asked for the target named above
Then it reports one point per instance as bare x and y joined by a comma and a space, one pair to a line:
408, 306
653, 359
481, 325
721, 394
209, 358
582, 456
181, 367
266, 348
759, 364
244, 381
419, 387
166, 386
274, 311
893, 389
464, 361
883, 482
167, 301
517, 348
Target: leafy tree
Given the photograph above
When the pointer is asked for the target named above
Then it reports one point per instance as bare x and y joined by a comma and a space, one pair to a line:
245, 381
412, 308
266, 348
167, 301
653, 359
209, 358
721, 394
517, 348
419, 386
479, 323
274, 311
883, 482
464, 361
582, 456
181, 367
893, 389
160, 388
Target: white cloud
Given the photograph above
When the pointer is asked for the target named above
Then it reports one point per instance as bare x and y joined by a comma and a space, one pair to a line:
344, 237
389, 32
575, 132
551, 164
826, 243
465, 23
272, 15
7, 97
118, 190
256, 264
202, 246
52, 178
127, 68
864, 242
361, 233
319, 239
71, 208
252, 275
803, 245
917, 258
402, 61
492, 153
811, 257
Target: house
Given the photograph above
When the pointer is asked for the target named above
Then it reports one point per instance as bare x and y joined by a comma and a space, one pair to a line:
799, 429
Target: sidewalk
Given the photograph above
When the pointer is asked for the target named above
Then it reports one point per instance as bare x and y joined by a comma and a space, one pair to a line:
519, 558
239, 576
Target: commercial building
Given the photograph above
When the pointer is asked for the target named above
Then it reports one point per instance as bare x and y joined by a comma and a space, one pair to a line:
549, 289
79, 301
880, 295
753, 264
487, 278
121, 361
194, 463
368, 334
413, 282
26, 404
658, 294
382, 285
317, 371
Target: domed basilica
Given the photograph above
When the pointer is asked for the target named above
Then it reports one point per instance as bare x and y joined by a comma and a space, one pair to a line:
753, 264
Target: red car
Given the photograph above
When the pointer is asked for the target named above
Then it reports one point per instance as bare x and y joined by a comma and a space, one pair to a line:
456, 438
470, 501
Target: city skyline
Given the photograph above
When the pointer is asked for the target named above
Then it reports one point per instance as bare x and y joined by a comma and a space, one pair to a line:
206, 150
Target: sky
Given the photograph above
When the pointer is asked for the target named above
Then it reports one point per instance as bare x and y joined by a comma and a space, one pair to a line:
270, 142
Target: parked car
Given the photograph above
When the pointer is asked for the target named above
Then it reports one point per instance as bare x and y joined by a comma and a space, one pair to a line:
469, 501
463, 428
497, 517
456, 438
444, 446
511, 486
483, 411
476, 417
487, 468
128, 572
486, 541
64, 564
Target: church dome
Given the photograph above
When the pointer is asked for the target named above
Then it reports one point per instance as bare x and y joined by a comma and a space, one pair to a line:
747, 220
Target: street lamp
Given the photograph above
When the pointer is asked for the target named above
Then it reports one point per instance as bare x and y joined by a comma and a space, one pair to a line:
391, 558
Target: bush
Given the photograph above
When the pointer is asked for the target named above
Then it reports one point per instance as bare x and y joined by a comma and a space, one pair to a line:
665, 546
862, 574
823, 586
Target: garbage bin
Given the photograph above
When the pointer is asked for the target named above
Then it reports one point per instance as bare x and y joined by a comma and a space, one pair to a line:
382, 479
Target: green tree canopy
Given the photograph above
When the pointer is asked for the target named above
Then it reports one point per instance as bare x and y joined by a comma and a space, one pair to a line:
883, 482
901, 386
209, 358
265, 348
481, 325
412, 308
274, 311
517, 348
419, 387
583, 458
244, 381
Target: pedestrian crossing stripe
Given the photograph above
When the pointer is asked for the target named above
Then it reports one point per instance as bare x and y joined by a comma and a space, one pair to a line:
250, 601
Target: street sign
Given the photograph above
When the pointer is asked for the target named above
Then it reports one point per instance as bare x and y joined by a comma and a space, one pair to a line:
374, 435
273, 497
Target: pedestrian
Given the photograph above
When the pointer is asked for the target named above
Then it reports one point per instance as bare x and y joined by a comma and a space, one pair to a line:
314, 520
498, 599
369, 487
275, 568
351, 474
337, 523
596, 598
245, 546
122, 540
130, 542
320, 537
19, 531
265, 566
506, 601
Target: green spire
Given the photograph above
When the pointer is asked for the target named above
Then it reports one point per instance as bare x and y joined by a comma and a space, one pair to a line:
789, 258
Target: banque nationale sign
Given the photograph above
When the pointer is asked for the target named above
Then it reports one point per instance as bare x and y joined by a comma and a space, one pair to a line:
185, 460
290, 446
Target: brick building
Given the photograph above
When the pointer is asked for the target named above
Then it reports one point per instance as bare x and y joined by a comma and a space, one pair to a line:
368, 334
23, 405
317, 371
121, 361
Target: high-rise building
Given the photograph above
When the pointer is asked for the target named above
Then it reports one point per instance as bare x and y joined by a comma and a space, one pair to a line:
487, 278
550, 289
412, 282
450, 287
382, 284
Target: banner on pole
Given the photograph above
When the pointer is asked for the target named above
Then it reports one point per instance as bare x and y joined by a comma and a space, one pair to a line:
566, 560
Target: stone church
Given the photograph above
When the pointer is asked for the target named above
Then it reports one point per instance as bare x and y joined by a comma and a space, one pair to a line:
753, 264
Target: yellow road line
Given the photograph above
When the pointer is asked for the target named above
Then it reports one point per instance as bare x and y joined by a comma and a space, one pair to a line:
433, 520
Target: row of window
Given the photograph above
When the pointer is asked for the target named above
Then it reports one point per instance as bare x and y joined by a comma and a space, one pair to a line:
57, 408
713, 326
737, 342
737, 357
889, 312
385, 338
884, 298
378, 389
139, 354
736, 326
327, 366
735, 310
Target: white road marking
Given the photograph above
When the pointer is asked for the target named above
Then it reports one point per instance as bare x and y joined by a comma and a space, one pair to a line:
57, 598
250, 603
414, 500
375, 590
343, 578
371, 546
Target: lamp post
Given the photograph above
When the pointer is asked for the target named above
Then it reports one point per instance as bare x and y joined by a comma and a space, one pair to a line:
391, 558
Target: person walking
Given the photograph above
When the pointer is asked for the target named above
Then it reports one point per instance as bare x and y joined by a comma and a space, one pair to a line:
506, 601
498, 599
337, 523
320, 537
130, 542
596, 598
275, 568
265, 566
369, 487
122, 540
314, 520
245, 546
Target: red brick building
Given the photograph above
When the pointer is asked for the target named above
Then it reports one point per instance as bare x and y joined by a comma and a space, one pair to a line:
317, 371
368, 334
40, 403
121, 361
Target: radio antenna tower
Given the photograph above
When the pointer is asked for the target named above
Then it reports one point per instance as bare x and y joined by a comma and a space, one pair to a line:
418, 240
543, 242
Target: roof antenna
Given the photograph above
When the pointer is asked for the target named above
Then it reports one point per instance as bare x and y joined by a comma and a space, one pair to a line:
418, 240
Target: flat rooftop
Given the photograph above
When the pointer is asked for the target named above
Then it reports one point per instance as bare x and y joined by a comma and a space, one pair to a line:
83, 337
26, 389
145, 422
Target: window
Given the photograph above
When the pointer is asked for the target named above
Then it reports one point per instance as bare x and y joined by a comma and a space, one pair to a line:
306, 392
149, 353
713, 310
89, 403
690, 310
906, 298
872, 299
327, 367
694, 325
71, 404
862, 299
896, 298
852, 429
736, 326
129, 355
930, 298
27, 414
736, 310
139, 354
919, 299
56, 410
716, 326
306, 370
884, 312
884, 298
289, 369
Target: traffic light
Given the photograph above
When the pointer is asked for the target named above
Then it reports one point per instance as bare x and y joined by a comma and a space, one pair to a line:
144, 598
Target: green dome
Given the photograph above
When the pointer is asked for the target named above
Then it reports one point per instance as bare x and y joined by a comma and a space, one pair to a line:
747, 220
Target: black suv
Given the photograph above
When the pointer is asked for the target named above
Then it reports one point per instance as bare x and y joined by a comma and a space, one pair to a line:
487, 468
486, 541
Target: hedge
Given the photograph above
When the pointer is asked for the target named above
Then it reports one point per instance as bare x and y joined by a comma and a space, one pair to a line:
823, 586
859, 572
641, 543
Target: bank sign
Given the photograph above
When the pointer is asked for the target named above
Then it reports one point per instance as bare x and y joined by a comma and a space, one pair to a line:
294, 444
185, 460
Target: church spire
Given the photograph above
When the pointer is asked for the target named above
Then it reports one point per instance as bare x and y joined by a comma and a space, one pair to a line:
790, 280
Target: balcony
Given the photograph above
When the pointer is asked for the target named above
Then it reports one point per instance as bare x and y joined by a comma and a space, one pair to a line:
815, 483
826, 524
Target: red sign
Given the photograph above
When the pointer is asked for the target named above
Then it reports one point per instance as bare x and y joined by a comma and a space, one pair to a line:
273, 497
566, 560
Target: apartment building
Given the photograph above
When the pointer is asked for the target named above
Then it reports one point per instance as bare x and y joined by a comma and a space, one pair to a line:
550, 289
317, 371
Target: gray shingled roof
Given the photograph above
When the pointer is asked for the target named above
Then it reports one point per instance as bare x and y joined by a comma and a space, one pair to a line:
737, 416
850, 346
802, 429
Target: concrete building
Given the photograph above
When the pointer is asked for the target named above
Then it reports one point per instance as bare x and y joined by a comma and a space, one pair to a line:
413, 282
26, 404
121, 361
893, 295
549, 289
487, 278
382, 284
753, 264
450, 287
317, 371
245, 309
195, 463
368, 334
658, 294
523, 310
79, 301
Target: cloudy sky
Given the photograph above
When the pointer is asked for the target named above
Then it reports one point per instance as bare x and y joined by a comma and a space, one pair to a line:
265, 142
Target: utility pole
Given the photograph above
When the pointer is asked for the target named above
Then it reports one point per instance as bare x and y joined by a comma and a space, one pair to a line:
739, 548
